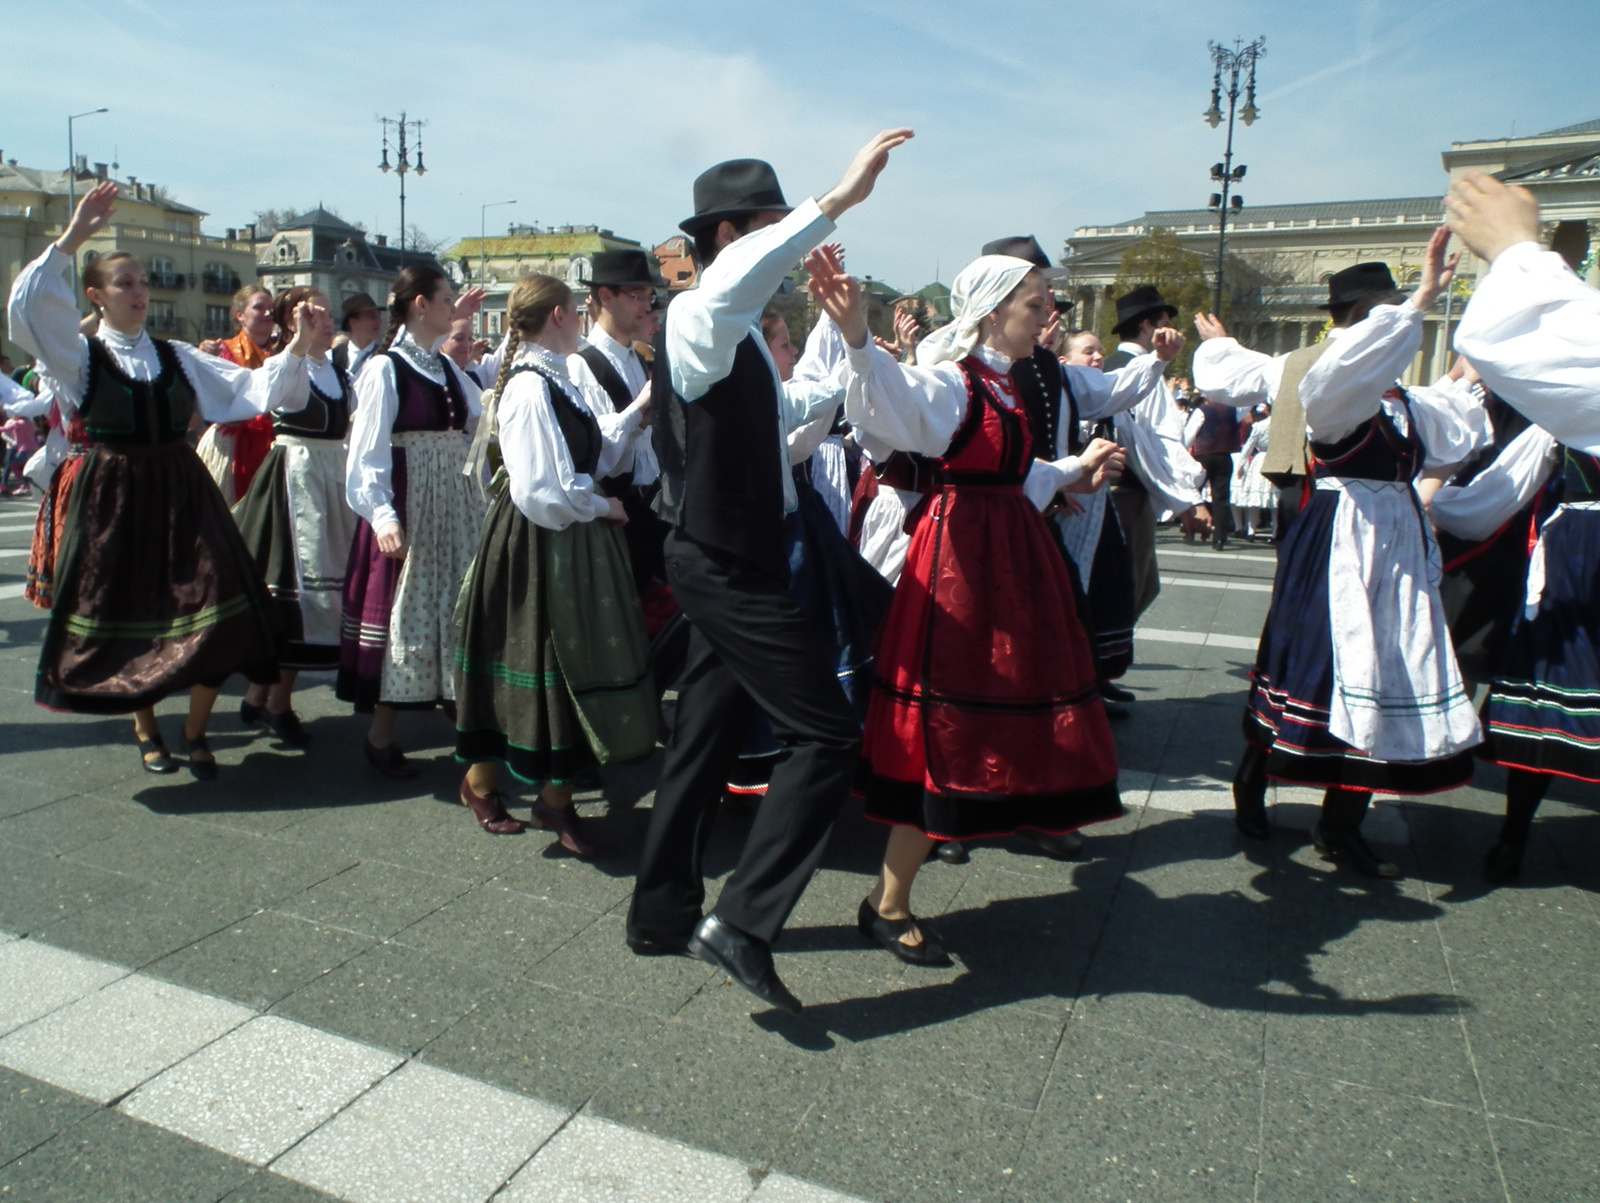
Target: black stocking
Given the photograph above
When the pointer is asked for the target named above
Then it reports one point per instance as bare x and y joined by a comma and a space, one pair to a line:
1345, 808
1250, 778
1524, 792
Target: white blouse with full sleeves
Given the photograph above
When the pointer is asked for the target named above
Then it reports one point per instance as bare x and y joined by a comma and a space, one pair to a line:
545, 486
1363, 362
370, 460
1235, 375
1532, 330
900, 407
44, 323
1492, 498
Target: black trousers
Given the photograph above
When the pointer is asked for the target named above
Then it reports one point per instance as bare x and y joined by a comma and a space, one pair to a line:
749, 647
1219, 475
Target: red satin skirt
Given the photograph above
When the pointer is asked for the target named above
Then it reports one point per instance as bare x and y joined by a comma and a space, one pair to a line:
985, 715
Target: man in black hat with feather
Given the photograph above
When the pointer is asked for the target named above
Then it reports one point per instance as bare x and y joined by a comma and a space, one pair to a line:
722, 417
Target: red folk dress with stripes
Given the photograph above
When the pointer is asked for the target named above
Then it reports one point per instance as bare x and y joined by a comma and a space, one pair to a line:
985, 715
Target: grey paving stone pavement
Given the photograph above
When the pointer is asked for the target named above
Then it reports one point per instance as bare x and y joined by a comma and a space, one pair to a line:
1178, 1015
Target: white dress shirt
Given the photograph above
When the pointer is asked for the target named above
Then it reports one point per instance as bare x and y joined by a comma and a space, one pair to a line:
624, 360
705, 325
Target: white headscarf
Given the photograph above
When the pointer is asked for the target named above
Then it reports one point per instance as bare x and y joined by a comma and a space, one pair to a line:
976, 293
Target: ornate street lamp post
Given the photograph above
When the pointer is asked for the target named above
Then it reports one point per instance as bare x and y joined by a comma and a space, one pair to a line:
1240, 60
403, 164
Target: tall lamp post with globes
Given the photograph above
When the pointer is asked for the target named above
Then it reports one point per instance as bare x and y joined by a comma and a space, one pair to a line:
1235, 62
403, 164
72, 180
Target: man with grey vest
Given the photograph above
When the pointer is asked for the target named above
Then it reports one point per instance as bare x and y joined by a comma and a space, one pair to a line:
721, 437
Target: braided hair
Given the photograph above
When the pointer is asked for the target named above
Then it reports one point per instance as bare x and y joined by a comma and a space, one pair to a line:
418, 280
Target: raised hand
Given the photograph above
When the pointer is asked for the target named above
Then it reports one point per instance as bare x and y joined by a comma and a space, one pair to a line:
641, 406
1490, 216
906, 329
838, 294
1047, 336
862, 173
470, 302
305, 323
1208, 326
1437, 272
1168, 342
92, 215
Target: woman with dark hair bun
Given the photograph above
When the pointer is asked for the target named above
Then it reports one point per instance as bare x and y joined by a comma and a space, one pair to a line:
419, 515
296, 523
553, 671
154, 590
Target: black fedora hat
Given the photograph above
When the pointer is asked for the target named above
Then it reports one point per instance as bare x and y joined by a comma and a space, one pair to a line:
623, 269
1024, 246
1353, 283
355, 303
1146, 299
731, 189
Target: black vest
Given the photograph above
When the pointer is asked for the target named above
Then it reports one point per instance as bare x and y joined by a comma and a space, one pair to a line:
324, 417
721, 470
1041, 380
578, 426
606, 373
120, 411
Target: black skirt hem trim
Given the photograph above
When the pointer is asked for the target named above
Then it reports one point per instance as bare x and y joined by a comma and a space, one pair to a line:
960, 816
1547, 756
547, 766
1336, 770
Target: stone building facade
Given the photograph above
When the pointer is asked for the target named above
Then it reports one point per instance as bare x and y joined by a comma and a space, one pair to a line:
498, 262
320, 250
1295, 248
192, 275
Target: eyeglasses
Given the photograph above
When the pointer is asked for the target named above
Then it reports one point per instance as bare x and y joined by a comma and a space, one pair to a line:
638, 294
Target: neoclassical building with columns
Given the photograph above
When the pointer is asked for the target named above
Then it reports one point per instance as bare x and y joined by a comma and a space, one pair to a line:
1297, 247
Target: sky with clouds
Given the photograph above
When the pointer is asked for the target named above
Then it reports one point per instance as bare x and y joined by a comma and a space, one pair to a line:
1031, 116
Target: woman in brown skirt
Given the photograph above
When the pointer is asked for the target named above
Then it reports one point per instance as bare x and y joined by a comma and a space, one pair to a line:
154, 590
552, 671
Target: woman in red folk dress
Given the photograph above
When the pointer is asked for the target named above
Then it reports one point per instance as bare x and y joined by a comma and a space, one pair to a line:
985, 716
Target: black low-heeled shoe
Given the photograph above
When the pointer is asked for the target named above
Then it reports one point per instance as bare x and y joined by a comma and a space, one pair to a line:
951, 852
162, 764
202, 770
929, 954
1503, 862
1348, 847
286, 727
251, 716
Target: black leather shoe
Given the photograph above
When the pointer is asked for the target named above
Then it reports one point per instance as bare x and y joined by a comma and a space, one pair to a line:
201, 770
1503, 862
1350, 848
745, 959
163, 762
1058, 847
1112, 692
887, 932
251, 716
1250, 816
951, 852
287, 728
658, 946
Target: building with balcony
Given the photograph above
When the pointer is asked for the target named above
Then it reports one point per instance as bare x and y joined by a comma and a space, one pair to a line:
499, 261
1287, 252
321, 250
192, 274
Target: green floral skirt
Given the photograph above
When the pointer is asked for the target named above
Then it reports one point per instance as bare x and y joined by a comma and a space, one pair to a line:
552, 666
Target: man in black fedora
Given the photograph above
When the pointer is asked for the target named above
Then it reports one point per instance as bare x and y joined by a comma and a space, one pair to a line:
1228, 373
622, 291
362, 319
722, 417
1165, 479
